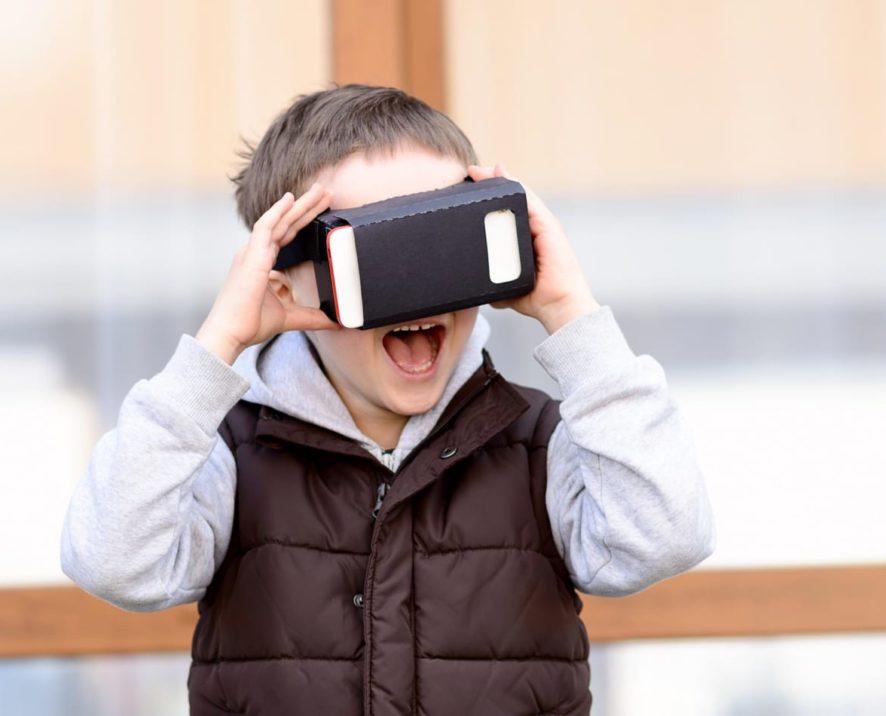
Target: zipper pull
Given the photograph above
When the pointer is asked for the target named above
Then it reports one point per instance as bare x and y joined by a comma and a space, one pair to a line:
387, 459
383, 488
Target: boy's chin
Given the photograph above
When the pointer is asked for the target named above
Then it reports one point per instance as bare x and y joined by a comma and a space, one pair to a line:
416, 404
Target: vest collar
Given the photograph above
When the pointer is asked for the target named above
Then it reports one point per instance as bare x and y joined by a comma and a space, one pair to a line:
485, 405
285, 374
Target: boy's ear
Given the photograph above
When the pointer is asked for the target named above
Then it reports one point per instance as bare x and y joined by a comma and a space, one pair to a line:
295, 285
280, 284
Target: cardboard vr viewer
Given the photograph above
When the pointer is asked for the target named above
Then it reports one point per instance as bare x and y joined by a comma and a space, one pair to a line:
420, 254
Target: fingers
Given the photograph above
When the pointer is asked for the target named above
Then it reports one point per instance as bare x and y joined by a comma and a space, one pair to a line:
314, 201
280, 223
478, 173
537, 208
301, 318
273, 215
306, 218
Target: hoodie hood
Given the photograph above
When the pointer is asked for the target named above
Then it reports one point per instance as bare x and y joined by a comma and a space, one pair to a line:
284, 374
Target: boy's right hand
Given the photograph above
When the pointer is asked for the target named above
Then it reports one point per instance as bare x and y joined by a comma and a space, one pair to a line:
246, 310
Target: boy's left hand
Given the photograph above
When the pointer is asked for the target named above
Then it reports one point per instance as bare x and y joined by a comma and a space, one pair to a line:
561, 292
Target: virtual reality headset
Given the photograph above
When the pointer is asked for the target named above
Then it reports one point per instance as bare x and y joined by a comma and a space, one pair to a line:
419, 255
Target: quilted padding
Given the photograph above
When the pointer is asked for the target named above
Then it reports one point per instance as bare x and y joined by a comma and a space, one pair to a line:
453, 600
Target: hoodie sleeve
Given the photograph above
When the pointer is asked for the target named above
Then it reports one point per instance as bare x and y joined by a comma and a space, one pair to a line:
626, 499
150, 519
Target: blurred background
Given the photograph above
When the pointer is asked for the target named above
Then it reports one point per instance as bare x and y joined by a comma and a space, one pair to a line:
720, 166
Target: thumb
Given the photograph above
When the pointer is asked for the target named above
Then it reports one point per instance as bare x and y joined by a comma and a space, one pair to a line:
302, 318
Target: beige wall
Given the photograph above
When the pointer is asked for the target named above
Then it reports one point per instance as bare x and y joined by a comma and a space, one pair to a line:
141, 94
574, 95
665, 95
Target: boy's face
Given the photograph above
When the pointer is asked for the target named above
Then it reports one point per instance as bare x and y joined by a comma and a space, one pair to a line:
380, 374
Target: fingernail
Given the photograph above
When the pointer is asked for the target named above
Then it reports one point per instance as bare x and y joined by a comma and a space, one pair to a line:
288, 195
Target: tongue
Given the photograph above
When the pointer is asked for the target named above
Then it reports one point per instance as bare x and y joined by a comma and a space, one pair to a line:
409, 350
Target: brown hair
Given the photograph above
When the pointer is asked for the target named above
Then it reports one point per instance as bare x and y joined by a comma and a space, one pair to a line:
318, 130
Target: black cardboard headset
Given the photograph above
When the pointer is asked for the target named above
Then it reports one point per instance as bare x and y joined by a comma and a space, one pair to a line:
420, 254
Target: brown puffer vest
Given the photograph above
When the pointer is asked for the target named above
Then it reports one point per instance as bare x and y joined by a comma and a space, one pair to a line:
451, 601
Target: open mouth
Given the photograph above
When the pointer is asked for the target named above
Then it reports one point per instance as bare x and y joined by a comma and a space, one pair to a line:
414, 348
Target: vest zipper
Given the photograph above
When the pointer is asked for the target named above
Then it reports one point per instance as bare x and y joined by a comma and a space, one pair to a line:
383, 487
387, 458
439, 428
387, 455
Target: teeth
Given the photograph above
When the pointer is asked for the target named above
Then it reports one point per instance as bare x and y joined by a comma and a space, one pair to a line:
414, 327
423, 367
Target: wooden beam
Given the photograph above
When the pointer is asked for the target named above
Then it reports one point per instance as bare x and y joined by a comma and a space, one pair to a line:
397, 43
66, 621
746, 603
424, 59
367, 42
63, 621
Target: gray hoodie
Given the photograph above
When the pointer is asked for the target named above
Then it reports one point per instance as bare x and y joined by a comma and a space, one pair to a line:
150, 520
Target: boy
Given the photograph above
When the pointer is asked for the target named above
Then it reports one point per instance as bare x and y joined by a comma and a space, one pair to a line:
376, 521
